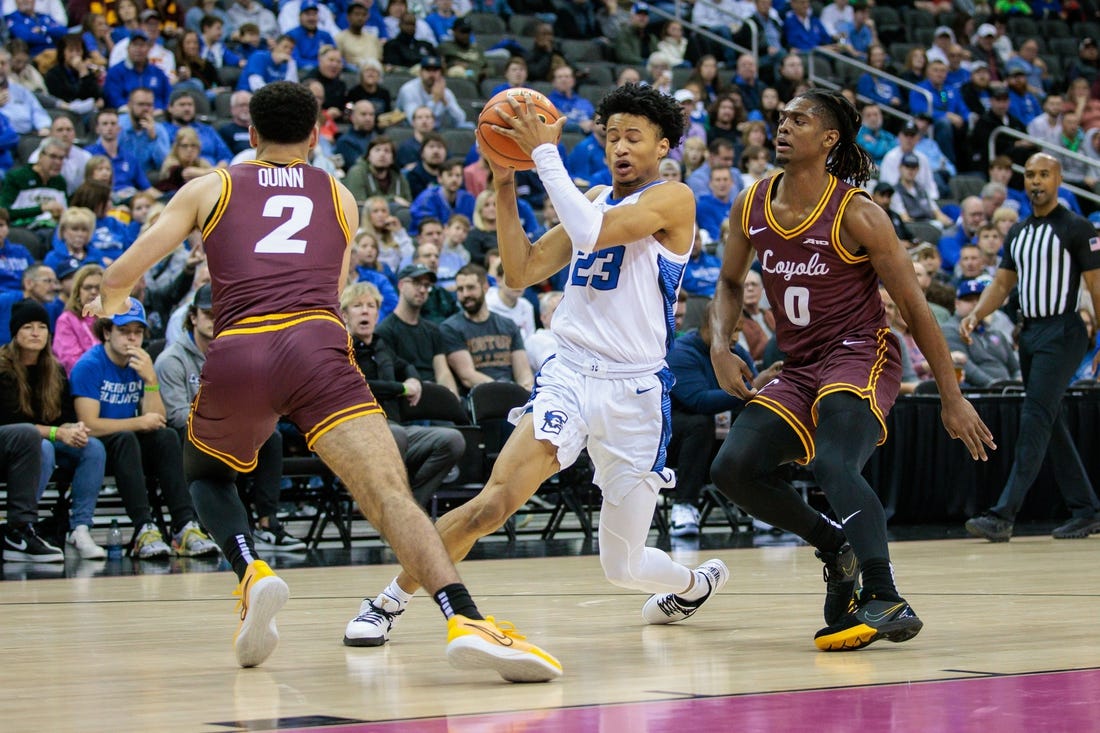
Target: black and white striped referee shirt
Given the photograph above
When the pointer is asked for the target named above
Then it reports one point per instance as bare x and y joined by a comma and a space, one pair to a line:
1048, 255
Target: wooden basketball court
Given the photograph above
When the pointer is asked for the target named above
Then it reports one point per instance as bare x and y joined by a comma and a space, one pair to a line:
1009, 644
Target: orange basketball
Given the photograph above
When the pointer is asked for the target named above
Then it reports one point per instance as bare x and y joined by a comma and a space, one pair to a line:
503, 150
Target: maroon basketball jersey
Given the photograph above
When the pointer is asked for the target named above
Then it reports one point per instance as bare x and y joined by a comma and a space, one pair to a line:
275, 242
820, 292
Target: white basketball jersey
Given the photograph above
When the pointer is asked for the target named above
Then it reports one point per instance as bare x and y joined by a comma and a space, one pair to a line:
619, 301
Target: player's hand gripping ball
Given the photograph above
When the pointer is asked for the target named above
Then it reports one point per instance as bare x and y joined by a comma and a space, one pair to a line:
501, 149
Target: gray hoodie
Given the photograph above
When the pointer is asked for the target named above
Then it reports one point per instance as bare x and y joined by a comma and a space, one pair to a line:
178, 368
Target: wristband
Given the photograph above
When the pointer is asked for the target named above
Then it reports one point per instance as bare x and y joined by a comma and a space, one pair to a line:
152, 388
404, 389
53, 433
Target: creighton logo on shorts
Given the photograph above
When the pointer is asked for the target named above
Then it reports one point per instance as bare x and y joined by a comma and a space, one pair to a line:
553, 421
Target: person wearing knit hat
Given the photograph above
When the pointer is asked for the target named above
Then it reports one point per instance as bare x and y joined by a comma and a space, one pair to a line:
33, 390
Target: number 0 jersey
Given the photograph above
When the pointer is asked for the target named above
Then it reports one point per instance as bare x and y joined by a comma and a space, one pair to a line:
820, 291
619, 301
275, 242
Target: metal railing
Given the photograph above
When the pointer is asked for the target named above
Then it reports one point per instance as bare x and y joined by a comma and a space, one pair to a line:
1057, 150
843, 59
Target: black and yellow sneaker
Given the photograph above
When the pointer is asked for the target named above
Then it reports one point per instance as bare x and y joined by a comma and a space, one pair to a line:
872, 619
841, 573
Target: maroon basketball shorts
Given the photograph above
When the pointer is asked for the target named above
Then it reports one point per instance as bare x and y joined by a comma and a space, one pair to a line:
299, 365
865, 364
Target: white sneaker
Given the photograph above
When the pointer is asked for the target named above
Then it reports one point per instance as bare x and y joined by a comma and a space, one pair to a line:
667, 608
81, 539
685, 520
373, 624
276, 539
191, 541
150, 544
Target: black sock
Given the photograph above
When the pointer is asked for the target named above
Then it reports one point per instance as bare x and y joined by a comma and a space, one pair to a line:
826, 536
878, 580
239, 551
454, 600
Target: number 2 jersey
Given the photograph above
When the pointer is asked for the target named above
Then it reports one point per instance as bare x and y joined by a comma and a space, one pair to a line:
619, 301
821, 292
275, 242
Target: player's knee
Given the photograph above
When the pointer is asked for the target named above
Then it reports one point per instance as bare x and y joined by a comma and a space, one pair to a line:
733, 463
619, 571
832, 469
199, 466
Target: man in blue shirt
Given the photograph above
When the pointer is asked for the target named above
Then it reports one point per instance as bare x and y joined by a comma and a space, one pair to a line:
18, 104
129, 177
308, 38
714, 208
575, 108
701, 273
948, 110
803, 31
117, 396
142, 135
265, 67
1022, 104
40, 31
588, 159
134, 72
14, 258
442, 201
181, 113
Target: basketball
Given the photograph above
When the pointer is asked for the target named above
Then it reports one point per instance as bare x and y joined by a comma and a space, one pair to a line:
503, 150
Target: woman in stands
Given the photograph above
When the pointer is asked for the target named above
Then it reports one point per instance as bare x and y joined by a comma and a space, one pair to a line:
394, 243
34, 389
74, 334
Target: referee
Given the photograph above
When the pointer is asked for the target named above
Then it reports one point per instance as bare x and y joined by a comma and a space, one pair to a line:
1047, 254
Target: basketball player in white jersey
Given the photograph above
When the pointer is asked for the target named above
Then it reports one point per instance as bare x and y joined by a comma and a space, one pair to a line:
607, 387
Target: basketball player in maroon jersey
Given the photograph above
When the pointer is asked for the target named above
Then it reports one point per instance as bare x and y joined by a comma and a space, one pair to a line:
823, 246
276, 234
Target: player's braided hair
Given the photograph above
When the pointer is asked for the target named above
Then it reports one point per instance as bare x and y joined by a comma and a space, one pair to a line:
645, 101
847, 160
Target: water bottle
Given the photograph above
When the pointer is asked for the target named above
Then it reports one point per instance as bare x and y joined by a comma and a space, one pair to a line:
114, 541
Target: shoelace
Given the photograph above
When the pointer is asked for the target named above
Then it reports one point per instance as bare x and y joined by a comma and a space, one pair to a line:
507, 628
192, 533
147, 537
670, 606
378, 613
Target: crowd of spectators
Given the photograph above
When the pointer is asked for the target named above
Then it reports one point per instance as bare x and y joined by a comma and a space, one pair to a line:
108, 108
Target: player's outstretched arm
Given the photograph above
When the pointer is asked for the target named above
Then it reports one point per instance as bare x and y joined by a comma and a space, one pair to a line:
866, 226
731, 370
183, 214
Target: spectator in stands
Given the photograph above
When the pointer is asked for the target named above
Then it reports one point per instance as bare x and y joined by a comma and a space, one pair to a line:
915, 65
371, 89
696, 399
942, 39
756, 165
442, 200
136, 72
511, 303
408, 152
546, 54
193, 69
178, 370
308, 37
990, 356
352, 145
430, 90
375, 174
702, 269
1023, 104
118, 399
769, 29
40, 284
429, 452
192, 19
747, 80
924, 280
14, 259
856, 36
395, 13
803, 31
251, 11
393, 241
542, 344
674, 45
142, 135
19, 459
971, 264
1047, 127
587, 162
75, 230
327, 70
719, 155
943, 168
129, 173
184, 162
365, 267
976, 90
19, 105
406, 49
1079, 99
109, 234
483, 237
151, 25
515, 75
76, 157
181, 114
971, 218
74, 81
714, 207
35, 195
872, 136
999, 115
265, 67
576, 20
1038, 75
483, 346
983, 48
462, 54
413, 337
235, 132
948, 111
911, 357
791, 77
433, 153
1072, 140
757, 322
695, 155
911, 200
692, 129
74, 335
890, 169
33, 389
991, 237
357, 42
1087, 64
39, 31
633, 43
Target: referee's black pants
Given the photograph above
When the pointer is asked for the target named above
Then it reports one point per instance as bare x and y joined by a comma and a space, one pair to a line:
1050, 351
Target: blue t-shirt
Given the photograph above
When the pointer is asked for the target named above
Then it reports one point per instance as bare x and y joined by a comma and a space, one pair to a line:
14, 258
117, 389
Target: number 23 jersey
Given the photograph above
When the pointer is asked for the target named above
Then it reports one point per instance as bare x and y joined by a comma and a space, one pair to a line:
820, 292
619, 301
275, 241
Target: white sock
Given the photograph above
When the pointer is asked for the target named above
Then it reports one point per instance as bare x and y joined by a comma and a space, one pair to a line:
699, 589
399, 596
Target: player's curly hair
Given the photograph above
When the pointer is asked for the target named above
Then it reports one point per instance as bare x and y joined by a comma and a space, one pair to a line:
645, 101
284, 112
847, 160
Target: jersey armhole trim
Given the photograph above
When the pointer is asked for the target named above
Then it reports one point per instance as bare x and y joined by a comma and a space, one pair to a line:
223, 202
341, 215
834, 237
